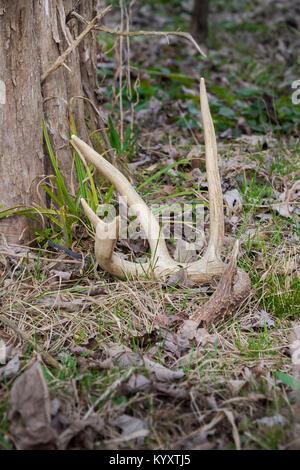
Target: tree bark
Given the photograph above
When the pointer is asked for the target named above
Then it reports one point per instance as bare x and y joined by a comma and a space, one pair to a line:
199, 23
33, 34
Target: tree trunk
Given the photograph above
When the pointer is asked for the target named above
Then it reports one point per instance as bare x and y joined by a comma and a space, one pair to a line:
33, 34
199, 23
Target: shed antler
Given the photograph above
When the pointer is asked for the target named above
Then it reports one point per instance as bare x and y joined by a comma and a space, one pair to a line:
161, 264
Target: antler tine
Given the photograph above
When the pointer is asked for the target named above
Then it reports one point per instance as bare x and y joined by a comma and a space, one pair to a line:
147, 220
216, 237
93, 218
106, 236
161, 263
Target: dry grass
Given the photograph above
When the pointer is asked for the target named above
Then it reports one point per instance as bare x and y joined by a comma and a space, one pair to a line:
230, 376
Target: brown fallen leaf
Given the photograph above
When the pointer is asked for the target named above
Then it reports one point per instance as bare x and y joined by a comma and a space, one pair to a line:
286, 208
236, 385
11, 369
30, 415
130, 426
137, 383
59, 302
203, 337
272, 421
173, 342
124, 357
82, 432
185, 252
169, 320
259, 320
63, 275
31, 425
163, 373
179, 393
233, 199
180, 278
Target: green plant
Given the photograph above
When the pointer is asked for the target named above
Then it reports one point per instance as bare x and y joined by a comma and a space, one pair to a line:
127, 146
288, 380
65, 210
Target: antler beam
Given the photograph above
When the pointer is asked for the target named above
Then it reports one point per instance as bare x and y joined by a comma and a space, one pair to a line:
161, 264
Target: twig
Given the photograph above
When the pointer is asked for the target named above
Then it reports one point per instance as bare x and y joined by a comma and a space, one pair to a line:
187, 36
101, 118
121, 76
35, 257
129, 91
60, 60
72, 254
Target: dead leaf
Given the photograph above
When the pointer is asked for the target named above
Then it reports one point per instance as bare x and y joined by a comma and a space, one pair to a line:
11, 369
137, 382
169, 320
83, 432
233, 199
124, 357
196, 154
203, 337
140, 162
260, 320
189, 329
189, 91
54, 406
153, 107
131, 426
255, 140
180, 278
286, 209
30, 415
180, 393
236, 385
60, 302
272, 421
63, 275
170, 343
185, 252
295, 348
163, 373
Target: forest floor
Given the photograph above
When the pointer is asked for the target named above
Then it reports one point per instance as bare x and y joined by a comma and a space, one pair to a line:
97, 360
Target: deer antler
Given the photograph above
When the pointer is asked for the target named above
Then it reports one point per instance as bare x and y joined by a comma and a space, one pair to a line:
161, 263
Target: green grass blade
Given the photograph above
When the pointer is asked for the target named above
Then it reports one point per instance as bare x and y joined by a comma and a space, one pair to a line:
161, 172
109, 194
60, 182
52, 195
114, 138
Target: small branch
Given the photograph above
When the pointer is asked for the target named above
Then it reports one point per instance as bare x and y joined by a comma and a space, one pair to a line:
35, 257
72, 254
187, 36
121, 77
60, 60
